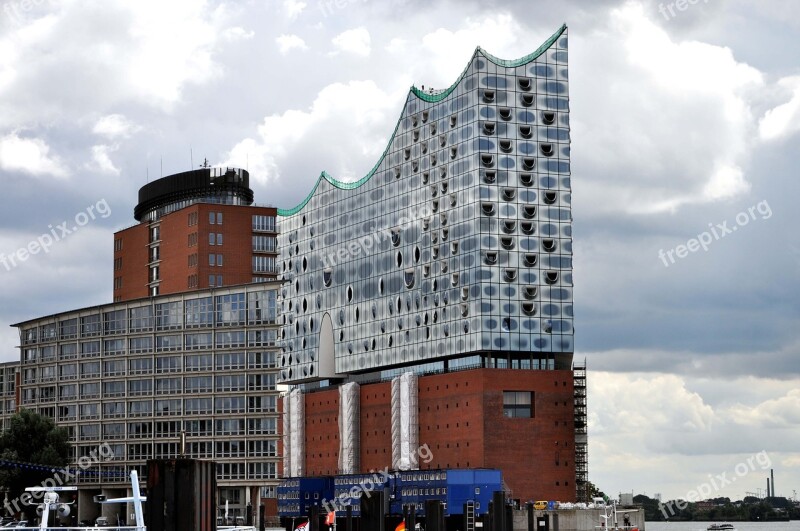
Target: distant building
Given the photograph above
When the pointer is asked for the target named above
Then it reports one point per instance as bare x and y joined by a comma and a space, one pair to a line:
189, 346
197, 230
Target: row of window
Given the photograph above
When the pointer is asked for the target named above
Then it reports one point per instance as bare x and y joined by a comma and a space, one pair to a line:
162, 364
163, 343
191, 384
198, 449
188, 406
236, 308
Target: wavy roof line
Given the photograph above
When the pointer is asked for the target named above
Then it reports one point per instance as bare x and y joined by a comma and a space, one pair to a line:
429, 98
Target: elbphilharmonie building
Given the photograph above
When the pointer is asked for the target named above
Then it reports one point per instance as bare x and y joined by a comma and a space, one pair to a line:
456, 248
452, 254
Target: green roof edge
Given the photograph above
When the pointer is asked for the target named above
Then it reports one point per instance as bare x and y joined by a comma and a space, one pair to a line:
429, 98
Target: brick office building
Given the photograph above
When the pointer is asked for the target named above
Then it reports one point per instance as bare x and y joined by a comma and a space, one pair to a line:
196, 230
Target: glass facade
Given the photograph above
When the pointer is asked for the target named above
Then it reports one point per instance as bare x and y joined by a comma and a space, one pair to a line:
458, 242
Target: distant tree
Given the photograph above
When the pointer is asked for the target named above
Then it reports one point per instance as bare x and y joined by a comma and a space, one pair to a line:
31, 438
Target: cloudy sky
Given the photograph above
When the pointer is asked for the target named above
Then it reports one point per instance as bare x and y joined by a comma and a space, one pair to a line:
685, 126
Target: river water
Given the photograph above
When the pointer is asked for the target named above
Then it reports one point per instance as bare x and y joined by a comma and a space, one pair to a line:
740, 526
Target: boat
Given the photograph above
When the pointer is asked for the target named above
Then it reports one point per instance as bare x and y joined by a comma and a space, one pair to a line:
721, 527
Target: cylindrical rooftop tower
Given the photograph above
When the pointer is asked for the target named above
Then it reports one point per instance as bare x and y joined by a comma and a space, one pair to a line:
226, 186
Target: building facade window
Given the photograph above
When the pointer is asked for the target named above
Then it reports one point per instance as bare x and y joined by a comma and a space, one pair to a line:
518, 404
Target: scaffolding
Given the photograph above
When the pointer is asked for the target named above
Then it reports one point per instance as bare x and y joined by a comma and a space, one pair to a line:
581, 434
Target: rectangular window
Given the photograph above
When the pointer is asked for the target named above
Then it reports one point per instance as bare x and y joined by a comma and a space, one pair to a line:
264, 223
197, 406
140, 430
231, 309
198, 427
140, 387
230, 360
169, 316
262, 471
219, 218
117, 244
261, 306
114, 368
89, 432
141, 319
230, 382
169, 343
197, 384
168, 407
219, 238
68, 328
261, 382
90, 349
141, 344
168, 364
68, 371
168, 386
262, 448
114, 346
114, 322
219, 262
261, 360
262, 404
212, 240
262, 426
198, 362
264, 264
199, 312
230, 339
229, 404
212, 260
264, 244
141, 366
219, 281
229, 427
90, 390
67, 351
261, 338
114, 430
113, 410
230, 449
518, 404
68, 392
91, 325
198, 341
212, 281
168, 428
140, 408
211, 218
90, 369
66, 413
112, 389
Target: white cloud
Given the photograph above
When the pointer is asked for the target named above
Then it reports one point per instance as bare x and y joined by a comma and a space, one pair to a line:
238, 34
783, 120
284, 139
287, 43
115, 125
101, 161
355, 41
29, 155
293, 8
679, 113
648, 430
